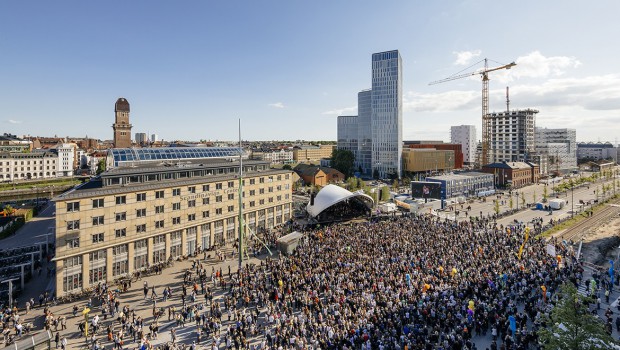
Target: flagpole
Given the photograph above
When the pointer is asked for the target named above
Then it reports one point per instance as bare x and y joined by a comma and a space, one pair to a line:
240, 200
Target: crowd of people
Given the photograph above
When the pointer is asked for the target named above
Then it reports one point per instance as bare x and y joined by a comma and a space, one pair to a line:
404, 283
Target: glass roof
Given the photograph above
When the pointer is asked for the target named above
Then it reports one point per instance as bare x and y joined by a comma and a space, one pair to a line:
123, 155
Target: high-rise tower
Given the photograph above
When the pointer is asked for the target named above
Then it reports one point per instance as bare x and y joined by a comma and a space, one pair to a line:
387, 116
121, 126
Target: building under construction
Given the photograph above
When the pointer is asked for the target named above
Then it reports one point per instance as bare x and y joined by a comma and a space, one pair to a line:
511, 135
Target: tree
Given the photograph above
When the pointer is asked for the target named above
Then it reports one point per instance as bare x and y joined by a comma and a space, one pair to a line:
534, 197
101, 166
496, 206
385, 193
510, 202
571, 326
8, 210
523, 199
287, 167
545, 194
342, 160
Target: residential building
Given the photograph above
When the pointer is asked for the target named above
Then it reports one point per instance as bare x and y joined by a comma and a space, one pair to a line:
154, 138
163, 204
465, 135
312, 153
387, 117
11, 143
512, 135
588, 151
67, 158
121, 126
29, 166
560, 147
275, 156
513, 174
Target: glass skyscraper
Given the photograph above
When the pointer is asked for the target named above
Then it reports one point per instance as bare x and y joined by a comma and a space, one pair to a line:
364, 127
387, 117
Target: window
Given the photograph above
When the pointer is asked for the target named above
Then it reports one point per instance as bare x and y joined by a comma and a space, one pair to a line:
231, 184
159, 194
286, 176
205, 188
231, 208
98, 203
159, 209
191, 217
252, 204
252, 192
205, 214
159, 224
176, 206
121, 216
97, 237
279, 198
73, 206
218, 186
176, 192
191, 189
176, 221
97, 220
270, 189
191, 203
73, 242
261, 202
218, 199
252, 181
141, 228
121, 200
261, 180
73, 225
205, 201
141, 212
218, 211
120, 232
261, 191
73, 261
231, 196
270, 199
279, 177
140, 197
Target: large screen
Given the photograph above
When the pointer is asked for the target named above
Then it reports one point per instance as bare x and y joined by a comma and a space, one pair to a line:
426, 190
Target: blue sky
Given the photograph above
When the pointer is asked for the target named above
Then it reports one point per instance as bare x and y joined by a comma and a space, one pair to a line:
191, 69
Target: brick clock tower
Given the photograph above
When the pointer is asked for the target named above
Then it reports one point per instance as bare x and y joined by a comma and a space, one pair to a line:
121, 126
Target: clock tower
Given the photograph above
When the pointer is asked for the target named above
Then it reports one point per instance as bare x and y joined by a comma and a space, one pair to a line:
121, 126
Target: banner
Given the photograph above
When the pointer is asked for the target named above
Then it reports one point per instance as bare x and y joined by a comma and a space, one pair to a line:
551, 250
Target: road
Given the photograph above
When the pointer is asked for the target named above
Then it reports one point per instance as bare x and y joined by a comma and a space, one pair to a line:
34, 231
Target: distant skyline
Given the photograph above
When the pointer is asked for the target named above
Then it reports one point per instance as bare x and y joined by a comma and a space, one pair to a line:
190, 70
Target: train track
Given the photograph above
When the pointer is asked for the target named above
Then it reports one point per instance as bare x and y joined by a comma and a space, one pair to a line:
600, 217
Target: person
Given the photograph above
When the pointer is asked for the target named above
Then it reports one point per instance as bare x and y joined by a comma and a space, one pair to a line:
63, 344
57, 339
173, 335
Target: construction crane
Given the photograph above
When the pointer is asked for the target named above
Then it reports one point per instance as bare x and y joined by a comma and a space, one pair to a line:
486, 120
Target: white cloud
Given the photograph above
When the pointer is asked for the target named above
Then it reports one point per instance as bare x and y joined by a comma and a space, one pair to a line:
535, 65
12, 121
342, 111
276, 105
441, 102
464, 57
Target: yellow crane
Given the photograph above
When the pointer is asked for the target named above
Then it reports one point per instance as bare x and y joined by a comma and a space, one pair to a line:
486, 122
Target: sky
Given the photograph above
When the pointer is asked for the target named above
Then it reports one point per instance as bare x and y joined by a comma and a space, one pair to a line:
191, 69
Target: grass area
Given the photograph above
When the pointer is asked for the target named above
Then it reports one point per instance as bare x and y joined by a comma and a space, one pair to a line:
577, 218
30, 185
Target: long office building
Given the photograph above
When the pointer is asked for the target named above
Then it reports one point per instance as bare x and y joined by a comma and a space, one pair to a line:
156, 204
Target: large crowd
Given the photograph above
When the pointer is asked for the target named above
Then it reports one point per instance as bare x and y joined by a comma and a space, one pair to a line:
404, 283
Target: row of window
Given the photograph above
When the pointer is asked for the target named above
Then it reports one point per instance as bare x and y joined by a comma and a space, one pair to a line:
141, 197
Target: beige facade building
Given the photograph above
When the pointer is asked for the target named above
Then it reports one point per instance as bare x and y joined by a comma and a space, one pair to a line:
135, 216
312, 154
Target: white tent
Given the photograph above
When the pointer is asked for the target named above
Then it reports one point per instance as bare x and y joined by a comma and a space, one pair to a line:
332, 194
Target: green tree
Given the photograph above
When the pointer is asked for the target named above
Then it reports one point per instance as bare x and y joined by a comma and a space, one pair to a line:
385, 193
343, 160
571, 326
523, 199
287, 167
510, 203
101, 166
545, 194
496, 206
534, 198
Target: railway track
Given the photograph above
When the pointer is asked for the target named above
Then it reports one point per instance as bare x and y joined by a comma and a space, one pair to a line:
601, 216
